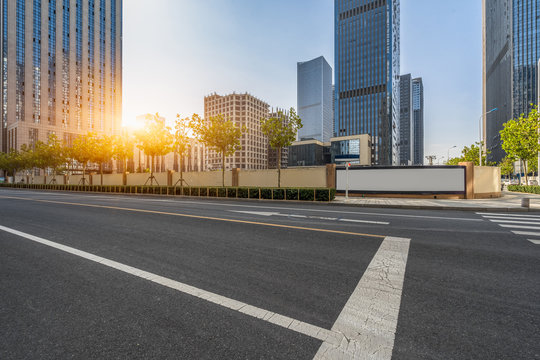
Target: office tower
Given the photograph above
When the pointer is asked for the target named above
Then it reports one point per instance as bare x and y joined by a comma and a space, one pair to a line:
406, 123
367, 53
511, 34
315, 99
61, 69
273, 153
418, 121
245, 110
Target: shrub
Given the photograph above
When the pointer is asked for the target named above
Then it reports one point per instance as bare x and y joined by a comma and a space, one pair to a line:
279, 194
243, 193
307, 194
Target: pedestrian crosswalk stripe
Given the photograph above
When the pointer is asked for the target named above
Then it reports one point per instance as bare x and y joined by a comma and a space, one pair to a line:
506, 215
527, 233
515, 222
520, 227
536, 242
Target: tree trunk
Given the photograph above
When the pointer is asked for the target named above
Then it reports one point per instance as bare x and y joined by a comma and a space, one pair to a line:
181, 171
101, 172
279, 168
223, 169
152, 171
83, 173
526, 172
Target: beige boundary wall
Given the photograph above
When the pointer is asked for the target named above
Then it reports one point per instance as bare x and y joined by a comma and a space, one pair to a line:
487, 182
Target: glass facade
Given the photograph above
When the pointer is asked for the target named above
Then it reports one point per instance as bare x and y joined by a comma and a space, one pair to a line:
315, 99
526, 52
511, 52
78, 63
62, 59
418, 121
36, 63
65, 64
102, 36
20, 60
367, 73
406, 129
4, 74
113, 58
91, 62
52, 63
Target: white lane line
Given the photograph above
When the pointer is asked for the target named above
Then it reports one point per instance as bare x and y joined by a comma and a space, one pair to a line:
536, 242
515, 222
269, 316
365, 328
369, 319
526, 233
267, 213
524, 227
509, 215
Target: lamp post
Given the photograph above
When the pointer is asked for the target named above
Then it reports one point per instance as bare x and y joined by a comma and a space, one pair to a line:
448, 157
481, 117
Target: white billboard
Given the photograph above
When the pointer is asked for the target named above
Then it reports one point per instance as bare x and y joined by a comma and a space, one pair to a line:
402, 180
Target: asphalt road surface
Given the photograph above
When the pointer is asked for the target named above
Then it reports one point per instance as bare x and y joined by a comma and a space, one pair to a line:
89, 276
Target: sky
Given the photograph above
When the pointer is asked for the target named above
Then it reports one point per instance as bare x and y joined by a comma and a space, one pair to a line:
175, 52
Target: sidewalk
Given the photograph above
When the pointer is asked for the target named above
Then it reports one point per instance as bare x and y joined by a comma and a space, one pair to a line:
510, 201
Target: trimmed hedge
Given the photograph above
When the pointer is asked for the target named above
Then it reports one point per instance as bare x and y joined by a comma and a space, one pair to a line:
531, 189
299, 194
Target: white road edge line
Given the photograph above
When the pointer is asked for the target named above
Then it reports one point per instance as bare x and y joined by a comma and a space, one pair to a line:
536, 242
365, 328
369, 319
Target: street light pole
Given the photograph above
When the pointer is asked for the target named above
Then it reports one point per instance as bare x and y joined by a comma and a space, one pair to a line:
448, 157
481, 133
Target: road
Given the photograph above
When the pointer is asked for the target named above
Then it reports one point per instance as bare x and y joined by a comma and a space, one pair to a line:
131, 277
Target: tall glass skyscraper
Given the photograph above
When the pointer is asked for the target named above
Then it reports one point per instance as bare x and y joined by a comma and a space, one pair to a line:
61, 69
411, 127
418, 121
511, 52
367, 50
315, 99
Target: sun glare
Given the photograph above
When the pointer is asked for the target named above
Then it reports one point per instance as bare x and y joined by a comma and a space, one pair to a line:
133, 124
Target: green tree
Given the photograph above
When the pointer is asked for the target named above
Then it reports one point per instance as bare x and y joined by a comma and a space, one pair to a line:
520, 139
82, 151
507, 166
103, 150
155, 139
12, 162
471, 154
182, 141
218, 134
281, 132
58, 155
123, 150
28, 159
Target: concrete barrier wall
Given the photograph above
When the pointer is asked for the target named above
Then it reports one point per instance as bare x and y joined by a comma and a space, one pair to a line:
259, 178
304, 177
137, 179
207, 178
108, 179
487, 181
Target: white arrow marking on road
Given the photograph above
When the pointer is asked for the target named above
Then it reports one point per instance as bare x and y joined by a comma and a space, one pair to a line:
264, 213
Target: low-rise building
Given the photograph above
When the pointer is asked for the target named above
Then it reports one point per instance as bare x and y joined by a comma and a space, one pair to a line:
309, 153
354, 149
